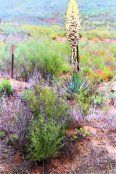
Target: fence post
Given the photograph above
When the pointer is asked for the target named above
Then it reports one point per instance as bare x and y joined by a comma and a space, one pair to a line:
12, 66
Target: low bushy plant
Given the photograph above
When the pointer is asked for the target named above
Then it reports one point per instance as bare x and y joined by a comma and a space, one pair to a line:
99, 100
38, 127
45, 100
14, 125
45, 138
84, 100
51, 116
5, 87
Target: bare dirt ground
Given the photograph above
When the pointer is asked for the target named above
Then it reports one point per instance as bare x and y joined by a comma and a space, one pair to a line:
93, 154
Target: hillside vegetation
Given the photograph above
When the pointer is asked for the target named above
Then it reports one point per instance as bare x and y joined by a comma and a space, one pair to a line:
47, 48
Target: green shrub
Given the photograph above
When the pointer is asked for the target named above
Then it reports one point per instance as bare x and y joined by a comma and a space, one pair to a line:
99, 100
5, 87
51, 116
45, 139
84, 100
44, 100
30, 97
80, 133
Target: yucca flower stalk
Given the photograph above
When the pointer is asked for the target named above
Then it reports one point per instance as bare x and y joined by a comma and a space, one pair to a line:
73, 25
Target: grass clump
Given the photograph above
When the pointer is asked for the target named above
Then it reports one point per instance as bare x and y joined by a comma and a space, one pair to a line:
5, 87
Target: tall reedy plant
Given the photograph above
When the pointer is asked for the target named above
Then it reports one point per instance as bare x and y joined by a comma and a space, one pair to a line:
73, 25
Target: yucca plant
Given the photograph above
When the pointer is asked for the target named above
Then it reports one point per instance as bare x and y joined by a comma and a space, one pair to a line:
73, 25
76, 84
80, 89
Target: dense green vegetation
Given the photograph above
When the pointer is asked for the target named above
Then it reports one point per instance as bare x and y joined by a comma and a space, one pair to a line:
51, 54
49, 57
